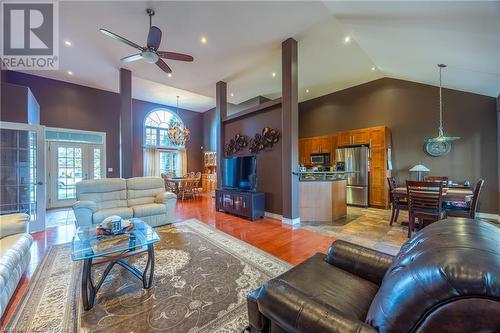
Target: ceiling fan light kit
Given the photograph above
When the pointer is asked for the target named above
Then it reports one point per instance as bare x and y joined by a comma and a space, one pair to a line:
149, 53
441, 144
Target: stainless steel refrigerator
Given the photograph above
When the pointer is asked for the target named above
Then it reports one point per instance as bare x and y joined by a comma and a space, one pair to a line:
355, 159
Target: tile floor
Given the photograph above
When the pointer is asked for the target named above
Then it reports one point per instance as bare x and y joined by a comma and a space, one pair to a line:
365, 226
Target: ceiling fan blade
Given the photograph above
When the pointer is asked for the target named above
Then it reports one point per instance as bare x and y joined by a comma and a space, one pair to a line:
154, 38
132, 57
175, 56
120, 39
163, 65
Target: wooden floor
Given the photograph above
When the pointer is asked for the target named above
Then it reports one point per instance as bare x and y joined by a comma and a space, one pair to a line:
282, 241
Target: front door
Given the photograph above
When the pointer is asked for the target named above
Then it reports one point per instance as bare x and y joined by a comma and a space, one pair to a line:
70, 163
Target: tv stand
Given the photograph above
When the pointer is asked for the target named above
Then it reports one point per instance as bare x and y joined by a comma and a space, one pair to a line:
241, 203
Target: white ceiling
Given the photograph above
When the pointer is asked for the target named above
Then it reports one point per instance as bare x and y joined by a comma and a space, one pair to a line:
403, 40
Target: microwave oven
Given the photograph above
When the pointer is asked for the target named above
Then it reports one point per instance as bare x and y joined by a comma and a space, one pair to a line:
320, 159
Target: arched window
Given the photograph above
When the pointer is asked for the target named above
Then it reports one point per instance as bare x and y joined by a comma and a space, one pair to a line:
156, 126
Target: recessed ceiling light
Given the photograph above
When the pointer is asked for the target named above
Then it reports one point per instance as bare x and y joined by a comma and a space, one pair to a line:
70, 73
373, 68
203, 39
68, 43
307, 91
169, 74
347, 39
273, 74
232, 95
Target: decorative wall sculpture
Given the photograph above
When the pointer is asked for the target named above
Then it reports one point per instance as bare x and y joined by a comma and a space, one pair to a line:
266, 140
237, 144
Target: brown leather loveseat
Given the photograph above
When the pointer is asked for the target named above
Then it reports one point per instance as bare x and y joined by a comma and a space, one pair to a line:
445, 279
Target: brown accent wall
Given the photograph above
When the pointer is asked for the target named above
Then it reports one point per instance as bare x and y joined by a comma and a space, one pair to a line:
14, 104
68, 105
268, 162
193, 120
410, 110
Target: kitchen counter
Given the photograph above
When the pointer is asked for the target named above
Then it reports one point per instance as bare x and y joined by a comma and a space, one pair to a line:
322, 200
323, 175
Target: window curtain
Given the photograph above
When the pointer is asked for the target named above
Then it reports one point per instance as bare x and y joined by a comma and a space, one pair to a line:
181, 166
151, 162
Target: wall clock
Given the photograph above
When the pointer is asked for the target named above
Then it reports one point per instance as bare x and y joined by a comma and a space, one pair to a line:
437, 148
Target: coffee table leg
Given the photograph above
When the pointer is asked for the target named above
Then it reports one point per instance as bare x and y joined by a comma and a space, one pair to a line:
147, 281
88, 290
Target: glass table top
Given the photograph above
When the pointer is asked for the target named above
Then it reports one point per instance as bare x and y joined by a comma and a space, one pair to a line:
87, 244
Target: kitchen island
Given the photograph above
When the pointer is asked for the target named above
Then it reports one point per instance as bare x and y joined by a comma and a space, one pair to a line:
322, 196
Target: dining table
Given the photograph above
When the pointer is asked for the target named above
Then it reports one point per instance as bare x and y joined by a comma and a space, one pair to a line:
449, 194
177, 181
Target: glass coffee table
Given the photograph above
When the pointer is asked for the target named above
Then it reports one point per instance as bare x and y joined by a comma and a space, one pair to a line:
95, 250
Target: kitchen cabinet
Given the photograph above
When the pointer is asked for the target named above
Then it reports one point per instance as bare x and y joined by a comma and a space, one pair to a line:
356, 137
344, 138
379, 140
304, 151
316, 145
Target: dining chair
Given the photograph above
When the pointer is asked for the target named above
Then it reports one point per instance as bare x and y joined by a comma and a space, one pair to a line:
169, 184
468, 211
425, 203
443, 179
186, 189
197, 178
396, 202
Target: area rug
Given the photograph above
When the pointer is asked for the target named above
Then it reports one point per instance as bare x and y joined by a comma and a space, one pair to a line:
202, 277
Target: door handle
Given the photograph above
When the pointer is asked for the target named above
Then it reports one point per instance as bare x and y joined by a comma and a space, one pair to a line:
39, 183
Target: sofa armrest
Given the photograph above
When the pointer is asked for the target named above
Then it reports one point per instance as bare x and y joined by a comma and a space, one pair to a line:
296, 312
369, 264
84, 210
12, 224
164, 197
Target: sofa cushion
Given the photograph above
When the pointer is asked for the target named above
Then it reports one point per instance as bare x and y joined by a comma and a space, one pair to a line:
123, 212
443, 263
106, 193
332, 286
149, 209
143, 190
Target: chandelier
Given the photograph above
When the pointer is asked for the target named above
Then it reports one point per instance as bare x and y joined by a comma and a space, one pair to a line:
441, 137
177, 133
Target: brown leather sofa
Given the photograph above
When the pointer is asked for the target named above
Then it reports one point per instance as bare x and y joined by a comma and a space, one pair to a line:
445, 279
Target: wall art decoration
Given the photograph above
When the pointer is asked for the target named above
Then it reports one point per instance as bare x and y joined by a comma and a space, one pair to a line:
237, 144
266, 140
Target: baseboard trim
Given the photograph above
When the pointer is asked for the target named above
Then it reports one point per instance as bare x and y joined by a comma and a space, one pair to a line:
295, 221
273, 216
489, 216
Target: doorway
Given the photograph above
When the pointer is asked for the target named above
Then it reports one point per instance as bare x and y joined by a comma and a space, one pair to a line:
68, 164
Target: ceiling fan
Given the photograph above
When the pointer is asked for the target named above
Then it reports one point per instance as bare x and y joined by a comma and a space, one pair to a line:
150, 52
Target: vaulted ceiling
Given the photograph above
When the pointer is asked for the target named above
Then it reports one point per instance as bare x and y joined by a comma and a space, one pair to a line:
387, 39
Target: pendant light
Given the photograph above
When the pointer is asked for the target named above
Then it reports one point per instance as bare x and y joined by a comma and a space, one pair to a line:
441, 137
177, 133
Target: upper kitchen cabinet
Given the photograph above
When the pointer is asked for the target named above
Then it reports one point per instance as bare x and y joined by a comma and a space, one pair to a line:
321, 144
354, 137
304, 151
344, 138
380, 137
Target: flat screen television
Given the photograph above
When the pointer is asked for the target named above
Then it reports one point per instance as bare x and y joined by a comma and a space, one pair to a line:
240, 173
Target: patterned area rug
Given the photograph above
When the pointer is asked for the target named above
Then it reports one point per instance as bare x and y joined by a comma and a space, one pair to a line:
202, 277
